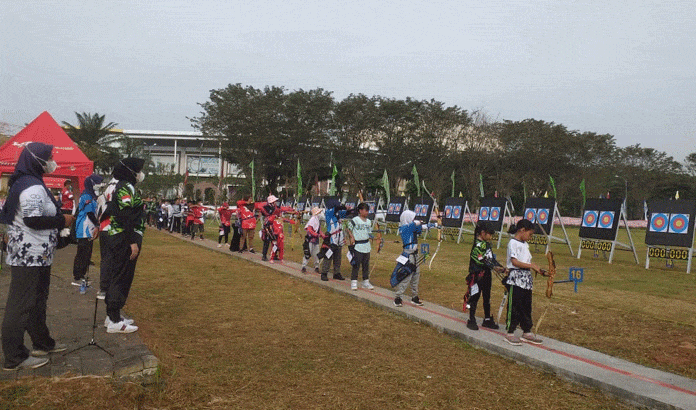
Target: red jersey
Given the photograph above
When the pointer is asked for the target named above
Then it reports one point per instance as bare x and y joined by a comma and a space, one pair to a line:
245, 216
67, 200
198, 214
225, 215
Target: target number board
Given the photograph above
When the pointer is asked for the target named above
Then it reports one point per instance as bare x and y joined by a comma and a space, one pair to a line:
538, 240
596, 245
666, 253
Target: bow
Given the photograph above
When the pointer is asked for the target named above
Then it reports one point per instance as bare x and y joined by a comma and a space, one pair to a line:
550, 274
439, 226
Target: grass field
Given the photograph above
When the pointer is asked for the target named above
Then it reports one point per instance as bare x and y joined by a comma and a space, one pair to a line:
622, 309
233, 334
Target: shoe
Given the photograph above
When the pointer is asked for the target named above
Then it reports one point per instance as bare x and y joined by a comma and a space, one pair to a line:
76, 282
120, 327
397, 302
272, 260
30, 362
101, 295
339, 277
490, 323
471, 324
416, 301
59, 347
316, 270
353, 285
252, 251
264, 259
324, 278
219, 245
531, 338
512, 339
127, 321
304, 270
367, 285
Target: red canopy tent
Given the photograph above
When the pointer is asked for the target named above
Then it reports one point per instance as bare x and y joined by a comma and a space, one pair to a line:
73, 164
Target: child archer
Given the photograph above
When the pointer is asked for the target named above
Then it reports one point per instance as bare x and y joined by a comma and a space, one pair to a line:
479, 280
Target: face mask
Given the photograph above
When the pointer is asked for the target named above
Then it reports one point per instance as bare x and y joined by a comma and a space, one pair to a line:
50, 167
140, 177
97, 188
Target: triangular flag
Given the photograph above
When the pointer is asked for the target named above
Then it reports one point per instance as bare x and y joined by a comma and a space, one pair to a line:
461, 195
546, 194
677, 195
299, 179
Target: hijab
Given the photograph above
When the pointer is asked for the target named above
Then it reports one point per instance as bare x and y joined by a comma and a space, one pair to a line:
127, 169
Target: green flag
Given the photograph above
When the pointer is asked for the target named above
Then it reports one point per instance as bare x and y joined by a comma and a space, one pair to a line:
253, 181
299, 179
332, 191
584, 193
524, 191
416, 181
385, 184
481, 185
553, 186
452, 178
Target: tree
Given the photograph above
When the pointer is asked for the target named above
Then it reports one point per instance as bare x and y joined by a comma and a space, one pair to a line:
96, 139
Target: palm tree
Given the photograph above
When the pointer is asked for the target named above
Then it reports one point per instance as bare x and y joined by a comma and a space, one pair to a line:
90, 129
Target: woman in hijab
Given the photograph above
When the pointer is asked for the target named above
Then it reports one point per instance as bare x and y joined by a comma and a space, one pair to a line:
33, 218
86, 229
122, 225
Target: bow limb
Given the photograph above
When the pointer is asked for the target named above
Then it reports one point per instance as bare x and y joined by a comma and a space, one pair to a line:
551, 274
439, 238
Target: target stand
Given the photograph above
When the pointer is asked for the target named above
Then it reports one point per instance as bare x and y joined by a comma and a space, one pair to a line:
670, 232
600, 225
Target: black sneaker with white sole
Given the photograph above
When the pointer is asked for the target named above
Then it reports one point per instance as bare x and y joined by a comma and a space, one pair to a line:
397, 302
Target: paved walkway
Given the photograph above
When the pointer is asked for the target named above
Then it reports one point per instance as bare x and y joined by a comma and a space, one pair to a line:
70, 318
634, 383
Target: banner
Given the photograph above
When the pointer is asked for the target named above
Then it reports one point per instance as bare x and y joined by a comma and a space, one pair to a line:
385, 185
299, 179
416, 181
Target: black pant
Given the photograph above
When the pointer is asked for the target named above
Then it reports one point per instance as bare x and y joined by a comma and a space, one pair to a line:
336, 258
82, 258
519, 309
225, 229
484, 285
120, 270
360, 259
176, 225
26, 311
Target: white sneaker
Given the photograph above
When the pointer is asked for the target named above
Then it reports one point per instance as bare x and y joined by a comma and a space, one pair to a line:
367, 285
219, 245
353, 285
120, 327
123, 318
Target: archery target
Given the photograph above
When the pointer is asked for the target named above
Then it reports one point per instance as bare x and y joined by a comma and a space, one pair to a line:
678, 223
397, 208
606, 219
495, 214
350, 205
390, 210
372, 208
484, 213
589, 219
530, 214
417, 209
658, 222
456, 211
424, 210
448, 211
542, 216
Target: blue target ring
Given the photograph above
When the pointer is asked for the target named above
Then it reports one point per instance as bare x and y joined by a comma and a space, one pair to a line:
589, 219
530, 214
483, 213
543, 216
658, 222
495, 214
606, 219
678, 223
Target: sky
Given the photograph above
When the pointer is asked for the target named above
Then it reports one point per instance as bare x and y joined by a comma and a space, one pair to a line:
614, 67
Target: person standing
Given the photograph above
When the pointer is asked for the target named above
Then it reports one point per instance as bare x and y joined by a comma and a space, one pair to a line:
245, 215
409, 229
519, 262
225, 215
123, 226
361, 233
311, 244
67, 199
269, 211
86, 229
34, 220
334, 213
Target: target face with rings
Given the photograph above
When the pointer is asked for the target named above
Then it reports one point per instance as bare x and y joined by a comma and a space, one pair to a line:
678, 223
448, 211
391, 208
397, 208
456, 211
417, 209
530, 215
483, 213
658, 222
372, 208
589, 219
606, 219
543, 216
495, 214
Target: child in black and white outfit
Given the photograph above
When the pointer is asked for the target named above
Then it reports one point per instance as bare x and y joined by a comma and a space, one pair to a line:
519, 262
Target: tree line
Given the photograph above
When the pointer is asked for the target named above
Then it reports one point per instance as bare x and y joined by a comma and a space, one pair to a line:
363, 136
